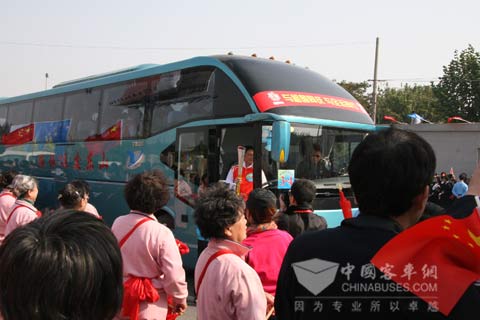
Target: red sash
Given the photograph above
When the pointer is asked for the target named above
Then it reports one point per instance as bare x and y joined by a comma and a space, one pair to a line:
303, 211
7, 194
129, 233
135, 291
38, 212
213, 257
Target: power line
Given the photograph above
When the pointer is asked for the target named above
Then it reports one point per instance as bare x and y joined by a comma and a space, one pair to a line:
420, 80
50, 45
407, 79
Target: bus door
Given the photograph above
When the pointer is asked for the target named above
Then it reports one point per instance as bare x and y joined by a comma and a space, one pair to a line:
230, 137
211, 152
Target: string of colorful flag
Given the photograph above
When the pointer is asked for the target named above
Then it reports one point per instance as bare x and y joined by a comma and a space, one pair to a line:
47, 133
416, 119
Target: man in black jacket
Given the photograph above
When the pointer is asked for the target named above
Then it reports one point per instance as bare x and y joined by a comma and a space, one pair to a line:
299, 216
329, 275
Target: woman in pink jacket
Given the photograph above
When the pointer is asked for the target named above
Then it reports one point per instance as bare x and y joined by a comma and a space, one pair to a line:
23, 211
7, 199
226, 286
152, 266
268, 243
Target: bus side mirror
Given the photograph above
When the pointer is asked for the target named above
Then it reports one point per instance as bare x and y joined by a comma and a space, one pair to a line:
280, 141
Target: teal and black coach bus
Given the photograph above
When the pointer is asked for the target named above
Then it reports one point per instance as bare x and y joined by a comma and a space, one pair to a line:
187, 119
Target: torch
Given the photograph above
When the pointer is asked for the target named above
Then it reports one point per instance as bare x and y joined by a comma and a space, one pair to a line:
241, 157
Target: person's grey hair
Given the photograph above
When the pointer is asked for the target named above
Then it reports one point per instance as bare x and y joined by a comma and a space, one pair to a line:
22, 184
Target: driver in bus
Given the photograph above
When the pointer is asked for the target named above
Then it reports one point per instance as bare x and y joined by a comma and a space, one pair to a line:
246, 182
316, 167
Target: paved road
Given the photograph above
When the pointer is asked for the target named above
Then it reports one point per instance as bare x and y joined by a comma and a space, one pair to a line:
191, 313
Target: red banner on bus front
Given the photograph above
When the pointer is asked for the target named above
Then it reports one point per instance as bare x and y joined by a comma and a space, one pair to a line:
266, 100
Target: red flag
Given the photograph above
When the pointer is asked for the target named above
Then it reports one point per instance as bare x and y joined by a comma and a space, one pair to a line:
345, 205
19, 136
94, 145
112, 133
440, 253
182, 247
390, 118
451, 119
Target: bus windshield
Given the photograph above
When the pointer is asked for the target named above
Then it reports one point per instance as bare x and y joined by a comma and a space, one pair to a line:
317, 153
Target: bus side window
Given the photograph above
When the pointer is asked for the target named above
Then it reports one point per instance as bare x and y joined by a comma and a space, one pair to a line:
192, 98
86, 128
125, 102
47, 116
82, 109
20, 114
3, 119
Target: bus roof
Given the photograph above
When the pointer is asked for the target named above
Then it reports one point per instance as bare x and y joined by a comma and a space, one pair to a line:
104, 75
270, 86
134, 72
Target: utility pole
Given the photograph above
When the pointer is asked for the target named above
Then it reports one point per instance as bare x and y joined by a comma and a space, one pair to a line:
46, 80
375, 84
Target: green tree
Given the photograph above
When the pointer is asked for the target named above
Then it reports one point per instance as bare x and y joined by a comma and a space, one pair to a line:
399, 102
359, 91
458, 90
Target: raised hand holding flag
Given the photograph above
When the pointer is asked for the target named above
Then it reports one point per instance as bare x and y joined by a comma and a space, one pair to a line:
345, 204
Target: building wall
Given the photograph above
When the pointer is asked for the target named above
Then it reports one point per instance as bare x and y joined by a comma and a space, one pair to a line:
456, 145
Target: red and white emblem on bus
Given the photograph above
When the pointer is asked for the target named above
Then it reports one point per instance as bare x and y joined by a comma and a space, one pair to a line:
266, 100
275, 97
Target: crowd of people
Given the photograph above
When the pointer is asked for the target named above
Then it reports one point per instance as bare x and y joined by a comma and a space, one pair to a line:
265, 257
445, 188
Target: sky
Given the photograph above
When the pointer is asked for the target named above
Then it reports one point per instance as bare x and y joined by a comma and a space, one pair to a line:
74, 39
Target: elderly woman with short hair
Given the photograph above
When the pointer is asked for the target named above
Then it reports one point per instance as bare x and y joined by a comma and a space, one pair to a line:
23, 211
227, 287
